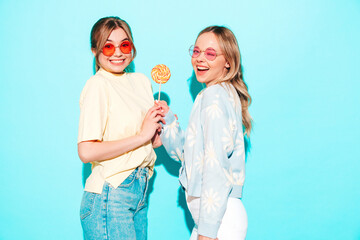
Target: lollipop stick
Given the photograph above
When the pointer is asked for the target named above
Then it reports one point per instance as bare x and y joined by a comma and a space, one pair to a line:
159, 92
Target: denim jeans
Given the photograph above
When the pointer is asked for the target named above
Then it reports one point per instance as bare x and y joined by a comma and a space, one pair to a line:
119, 213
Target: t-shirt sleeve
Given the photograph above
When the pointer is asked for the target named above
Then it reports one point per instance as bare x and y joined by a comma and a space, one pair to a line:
94, 104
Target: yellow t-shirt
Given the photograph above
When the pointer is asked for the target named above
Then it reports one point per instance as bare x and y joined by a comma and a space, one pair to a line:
112, 107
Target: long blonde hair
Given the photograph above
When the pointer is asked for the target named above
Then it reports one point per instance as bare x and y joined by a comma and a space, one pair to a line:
230, 48
102, 30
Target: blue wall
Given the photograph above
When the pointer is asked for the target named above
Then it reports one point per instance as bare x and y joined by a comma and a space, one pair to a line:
301, 61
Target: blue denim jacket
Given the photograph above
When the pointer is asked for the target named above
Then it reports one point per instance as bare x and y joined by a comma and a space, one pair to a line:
212, 152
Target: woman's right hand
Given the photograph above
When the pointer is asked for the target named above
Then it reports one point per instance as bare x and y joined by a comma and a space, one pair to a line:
151, 123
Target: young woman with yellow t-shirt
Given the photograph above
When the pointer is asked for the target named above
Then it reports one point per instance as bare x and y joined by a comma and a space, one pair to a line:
119, 127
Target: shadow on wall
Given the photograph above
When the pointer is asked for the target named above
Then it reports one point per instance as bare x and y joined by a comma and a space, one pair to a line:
163, 97
194, 86
247, 146
247, 141
172, 167
86, 171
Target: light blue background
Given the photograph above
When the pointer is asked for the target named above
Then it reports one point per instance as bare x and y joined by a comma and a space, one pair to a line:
301, 62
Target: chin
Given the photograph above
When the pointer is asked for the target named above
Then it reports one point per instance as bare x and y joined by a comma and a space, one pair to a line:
116, 70
202, 80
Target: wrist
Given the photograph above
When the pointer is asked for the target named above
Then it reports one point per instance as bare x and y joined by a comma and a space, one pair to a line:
141, 138
169, 117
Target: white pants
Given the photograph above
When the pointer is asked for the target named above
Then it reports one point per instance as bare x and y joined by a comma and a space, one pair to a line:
234, 223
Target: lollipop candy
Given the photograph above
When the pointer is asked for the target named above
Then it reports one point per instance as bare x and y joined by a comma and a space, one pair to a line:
160, 74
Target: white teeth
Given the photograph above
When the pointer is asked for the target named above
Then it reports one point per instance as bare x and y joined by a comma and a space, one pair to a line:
117, 61
202, 68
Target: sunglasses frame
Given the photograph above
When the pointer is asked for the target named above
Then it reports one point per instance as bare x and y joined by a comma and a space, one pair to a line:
191, 52
111, 52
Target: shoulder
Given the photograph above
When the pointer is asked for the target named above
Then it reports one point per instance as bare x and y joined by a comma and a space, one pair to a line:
96, 80
141, 82
216, 94
138, 76
95, 84
214, 89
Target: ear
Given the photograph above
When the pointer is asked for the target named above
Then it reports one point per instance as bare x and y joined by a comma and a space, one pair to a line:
227, 65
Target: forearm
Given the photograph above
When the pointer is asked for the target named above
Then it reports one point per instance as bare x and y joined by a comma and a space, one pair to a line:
90, 151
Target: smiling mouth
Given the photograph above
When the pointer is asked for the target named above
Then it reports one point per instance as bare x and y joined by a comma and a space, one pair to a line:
117, 61
202, 69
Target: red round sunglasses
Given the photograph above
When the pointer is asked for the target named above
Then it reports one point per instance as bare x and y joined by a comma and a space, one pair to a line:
109, 48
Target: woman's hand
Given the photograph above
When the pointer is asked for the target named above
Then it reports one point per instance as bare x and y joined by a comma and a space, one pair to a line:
164, 106
151, 123
201, 237
156, 140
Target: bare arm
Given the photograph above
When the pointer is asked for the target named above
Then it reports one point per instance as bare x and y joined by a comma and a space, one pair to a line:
90, 151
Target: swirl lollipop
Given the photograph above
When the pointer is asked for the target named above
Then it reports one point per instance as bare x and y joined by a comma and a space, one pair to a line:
160, 74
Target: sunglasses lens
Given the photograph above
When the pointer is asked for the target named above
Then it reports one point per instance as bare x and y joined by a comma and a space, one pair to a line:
108, 49
194, 52
210, 54
125, 47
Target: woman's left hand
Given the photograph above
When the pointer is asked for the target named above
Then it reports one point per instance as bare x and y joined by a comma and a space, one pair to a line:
201, 237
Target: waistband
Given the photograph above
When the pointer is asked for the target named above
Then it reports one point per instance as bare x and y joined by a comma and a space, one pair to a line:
141, 171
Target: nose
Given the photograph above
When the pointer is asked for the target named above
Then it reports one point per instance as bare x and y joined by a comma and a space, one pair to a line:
117, 51
201, 57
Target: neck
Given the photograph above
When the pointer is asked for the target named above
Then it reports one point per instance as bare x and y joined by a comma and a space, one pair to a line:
117, 74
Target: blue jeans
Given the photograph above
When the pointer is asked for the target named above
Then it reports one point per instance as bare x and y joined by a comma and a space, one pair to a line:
119, 213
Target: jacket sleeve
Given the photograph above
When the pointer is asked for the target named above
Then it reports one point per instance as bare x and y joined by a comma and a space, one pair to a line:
172, 137
218, 146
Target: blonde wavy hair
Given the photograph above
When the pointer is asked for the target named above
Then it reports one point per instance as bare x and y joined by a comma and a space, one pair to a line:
230, 48
102, 30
